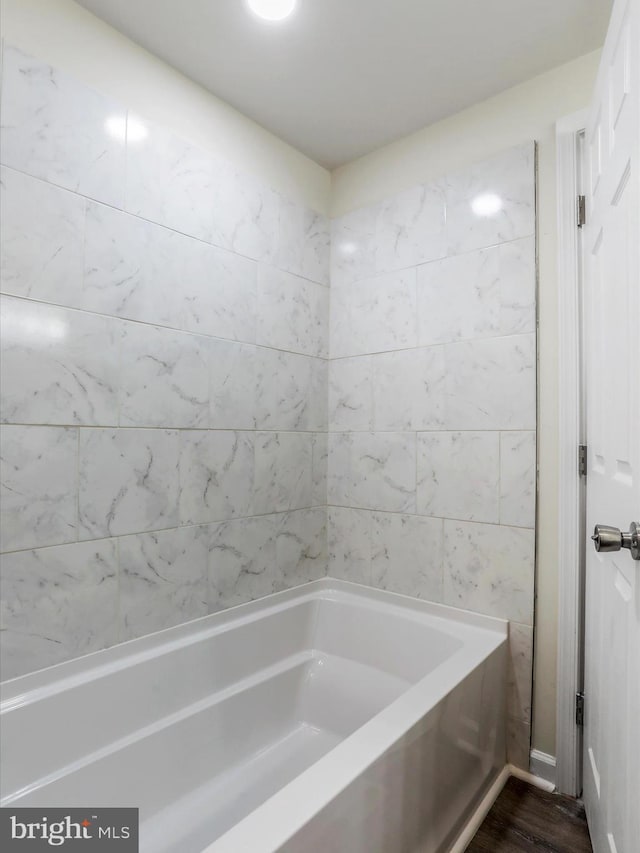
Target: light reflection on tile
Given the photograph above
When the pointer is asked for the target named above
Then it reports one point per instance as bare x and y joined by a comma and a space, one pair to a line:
58, 366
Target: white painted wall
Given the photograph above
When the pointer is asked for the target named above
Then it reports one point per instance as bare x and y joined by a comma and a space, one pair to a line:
528, 111
71, 39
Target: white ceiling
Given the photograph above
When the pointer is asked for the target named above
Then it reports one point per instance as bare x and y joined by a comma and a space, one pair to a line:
340, 78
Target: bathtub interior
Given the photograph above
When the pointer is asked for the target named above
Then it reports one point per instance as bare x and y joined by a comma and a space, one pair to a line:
199, 734
421, 791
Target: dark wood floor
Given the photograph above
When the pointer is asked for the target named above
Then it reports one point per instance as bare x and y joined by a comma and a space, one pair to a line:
525, 819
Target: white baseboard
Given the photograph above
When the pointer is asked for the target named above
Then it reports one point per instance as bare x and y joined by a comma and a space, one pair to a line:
475, 821
543, 766
536, 781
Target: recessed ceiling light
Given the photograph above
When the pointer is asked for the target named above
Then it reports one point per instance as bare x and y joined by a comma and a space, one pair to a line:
272, 10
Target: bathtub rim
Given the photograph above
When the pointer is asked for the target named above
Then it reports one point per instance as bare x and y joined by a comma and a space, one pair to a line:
36, 685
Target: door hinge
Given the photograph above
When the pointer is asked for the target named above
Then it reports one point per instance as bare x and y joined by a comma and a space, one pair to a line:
581, 210
582, 460
579, 709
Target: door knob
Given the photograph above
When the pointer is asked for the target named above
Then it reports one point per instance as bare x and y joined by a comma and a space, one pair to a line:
607, 538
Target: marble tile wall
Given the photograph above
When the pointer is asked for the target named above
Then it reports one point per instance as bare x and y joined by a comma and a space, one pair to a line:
177, 434
164, 376
432, 401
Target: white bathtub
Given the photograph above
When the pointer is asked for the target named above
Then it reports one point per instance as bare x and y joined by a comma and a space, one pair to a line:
331, 717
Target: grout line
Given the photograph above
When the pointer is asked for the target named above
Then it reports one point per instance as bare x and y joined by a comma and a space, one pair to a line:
123, 320
276, 430
424, 347
77, 484
327, 507
419, 515
420, 431
89, 199
438, 260
288, 430
499, 482
118, 625
174, 528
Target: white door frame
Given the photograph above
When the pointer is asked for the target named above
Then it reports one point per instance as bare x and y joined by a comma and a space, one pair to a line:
571, 486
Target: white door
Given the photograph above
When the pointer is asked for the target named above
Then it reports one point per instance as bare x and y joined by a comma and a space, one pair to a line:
612, 337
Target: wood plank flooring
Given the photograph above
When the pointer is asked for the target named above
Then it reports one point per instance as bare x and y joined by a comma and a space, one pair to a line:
525, 819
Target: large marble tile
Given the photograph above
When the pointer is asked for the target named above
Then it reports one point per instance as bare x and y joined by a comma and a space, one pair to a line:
57, 603
163, 579
517, 270
353, 244
492, 201
316, 246
170, 181
288, 255
284, 398
293, 313
39, 477
376, 315
481, 294
41, 239
132, 268
58, 366
397, 389
216, 475
339, 468
406, 555
56, 128
519, 674
319, 465
349, 544
491, 384
143, 271
246, 214
518, 479
219, 291
304, 242
342, 339
489, 569
283, 471
459, 298
429, 406
242, 561
128, 481
165, 378
301, 546
458, 474
318, 419
410, 228
350, 394
232, 390
383, 471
